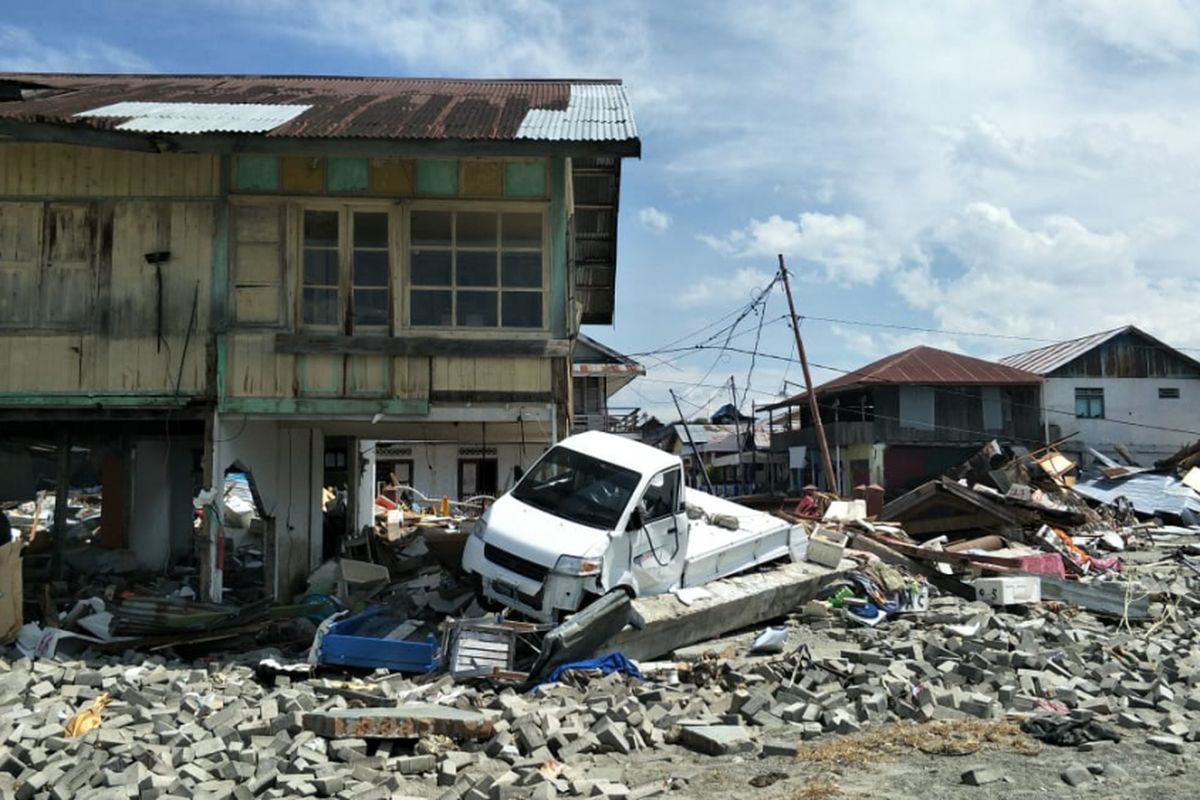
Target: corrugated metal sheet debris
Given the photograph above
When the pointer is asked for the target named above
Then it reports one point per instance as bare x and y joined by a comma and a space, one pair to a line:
1148, 492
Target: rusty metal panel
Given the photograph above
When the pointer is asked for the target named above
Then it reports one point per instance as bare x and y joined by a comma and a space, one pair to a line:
410, 721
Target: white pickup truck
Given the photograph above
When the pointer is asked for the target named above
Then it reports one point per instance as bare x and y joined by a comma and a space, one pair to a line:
599, 512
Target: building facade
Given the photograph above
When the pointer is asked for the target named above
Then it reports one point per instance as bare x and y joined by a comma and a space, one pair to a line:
198, 272
1117, 389
905, 419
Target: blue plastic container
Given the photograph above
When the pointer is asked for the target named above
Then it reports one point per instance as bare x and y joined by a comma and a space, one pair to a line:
359, 642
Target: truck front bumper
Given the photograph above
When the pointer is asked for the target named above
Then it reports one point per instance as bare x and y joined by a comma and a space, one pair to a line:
545, 599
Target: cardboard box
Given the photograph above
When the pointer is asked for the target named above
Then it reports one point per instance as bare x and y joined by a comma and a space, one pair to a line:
1009, 590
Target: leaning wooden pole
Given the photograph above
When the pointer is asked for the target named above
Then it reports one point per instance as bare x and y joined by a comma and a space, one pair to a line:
826, 462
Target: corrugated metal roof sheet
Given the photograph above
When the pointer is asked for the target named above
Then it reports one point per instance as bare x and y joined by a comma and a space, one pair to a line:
595, 112
346, 107
1049, 358
172, 117
1148, 492
922, 366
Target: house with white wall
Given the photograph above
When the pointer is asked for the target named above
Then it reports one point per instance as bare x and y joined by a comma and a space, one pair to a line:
1120, 388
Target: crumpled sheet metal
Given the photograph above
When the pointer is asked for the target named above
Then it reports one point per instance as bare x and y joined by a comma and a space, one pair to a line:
1149, 492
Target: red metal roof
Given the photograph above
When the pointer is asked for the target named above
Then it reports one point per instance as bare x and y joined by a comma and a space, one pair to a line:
340, 107
922, 366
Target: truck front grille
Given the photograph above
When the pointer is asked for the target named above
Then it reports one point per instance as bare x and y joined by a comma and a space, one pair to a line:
521, 566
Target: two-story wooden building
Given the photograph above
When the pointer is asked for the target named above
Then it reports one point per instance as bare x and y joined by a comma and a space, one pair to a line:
907, 418
202, 271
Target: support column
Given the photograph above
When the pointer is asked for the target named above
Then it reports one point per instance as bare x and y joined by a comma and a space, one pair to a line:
62, 489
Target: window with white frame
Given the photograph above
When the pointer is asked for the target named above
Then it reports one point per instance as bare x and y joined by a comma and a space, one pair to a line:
346, 269
476, 269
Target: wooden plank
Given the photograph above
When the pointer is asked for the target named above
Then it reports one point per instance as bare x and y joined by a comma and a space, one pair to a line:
410, 377
321, 374
420, 345
368, 375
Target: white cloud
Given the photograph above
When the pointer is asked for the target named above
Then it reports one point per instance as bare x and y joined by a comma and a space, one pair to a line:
655, 220
726, 291
1054, 279
1154, 30
843, 247
22, 51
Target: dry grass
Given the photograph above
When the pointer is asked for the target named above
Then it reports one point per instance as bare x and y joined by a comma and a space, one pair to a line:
952, 738
819, 787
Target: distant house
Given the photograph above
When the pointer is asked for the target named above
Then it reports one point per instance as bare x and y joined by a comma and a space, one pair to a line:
598, 372
907, 418
1120, 388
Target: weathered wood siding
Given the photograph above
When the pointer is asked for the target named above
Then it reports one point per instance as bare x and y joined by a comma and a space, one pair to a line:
54, 170
82, 312
80, 309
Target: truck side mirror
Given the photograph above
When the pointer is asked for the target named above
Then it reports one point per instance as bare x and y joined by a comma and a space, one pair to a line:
635, 520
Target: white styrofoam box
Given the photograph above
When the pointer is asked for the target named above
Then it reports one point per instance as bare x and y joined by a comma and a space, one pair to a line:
825, 547
1009, 590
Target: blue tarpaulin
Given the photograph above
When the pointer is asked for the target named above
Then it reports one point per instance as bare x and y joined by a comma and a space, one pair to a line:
613, 662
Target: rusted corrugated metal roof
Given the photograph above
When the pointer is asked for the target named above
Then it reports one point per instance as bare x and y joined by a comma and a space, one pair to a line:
923, 366
340, 107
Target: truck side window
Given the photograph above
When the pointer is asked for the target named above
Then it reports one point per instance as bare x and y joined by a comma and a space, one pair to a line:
662, 495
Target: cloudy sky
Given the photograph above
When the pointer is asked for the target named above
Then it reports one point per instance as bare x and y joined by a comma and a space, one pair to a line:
978, 176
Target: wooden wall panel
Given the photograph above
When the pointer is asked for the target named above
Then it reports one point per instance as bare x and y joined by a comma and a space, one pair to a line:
321, 375
410, 378
368, 376
464, 374
55, 170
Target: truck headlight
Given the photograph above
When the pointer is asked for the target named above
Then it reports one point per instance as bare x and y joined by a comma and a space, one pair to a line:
574, 565
478, 529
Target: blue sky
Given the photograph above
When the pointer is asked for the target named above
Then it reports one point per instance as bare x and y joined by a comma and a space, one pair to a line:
975, 170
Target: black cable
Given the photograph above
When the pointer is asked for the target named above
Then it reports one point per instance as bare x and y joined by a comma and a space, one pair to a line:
953, 392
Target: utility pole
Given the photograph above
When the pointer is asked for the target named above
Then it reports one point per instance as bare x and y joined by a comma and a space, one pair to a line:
695, 451
754, 448
737, 432
826, 462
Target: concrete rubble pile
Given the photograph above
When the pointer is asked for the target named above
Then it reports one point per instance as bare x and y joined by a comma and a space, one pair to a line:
258, 728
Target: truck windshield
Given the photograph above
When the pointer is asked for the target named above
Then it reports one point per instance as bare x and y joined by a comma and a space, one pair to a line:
577, 487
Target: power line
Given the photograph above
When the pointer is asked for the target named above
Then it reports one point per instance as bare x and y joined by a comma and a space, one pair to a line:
979, 334
859, 373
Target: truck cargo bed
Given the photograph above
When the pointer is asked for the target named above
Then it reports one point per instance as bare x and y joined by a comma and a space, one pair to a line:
715, 552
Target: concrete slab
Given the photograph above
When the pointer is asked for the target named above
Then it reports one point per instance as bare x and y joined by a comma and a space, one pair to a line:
736, 602
717, 740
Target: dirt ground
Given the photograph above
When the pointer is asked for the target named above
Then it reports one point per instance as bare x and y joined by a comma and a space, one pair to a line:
913, 775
